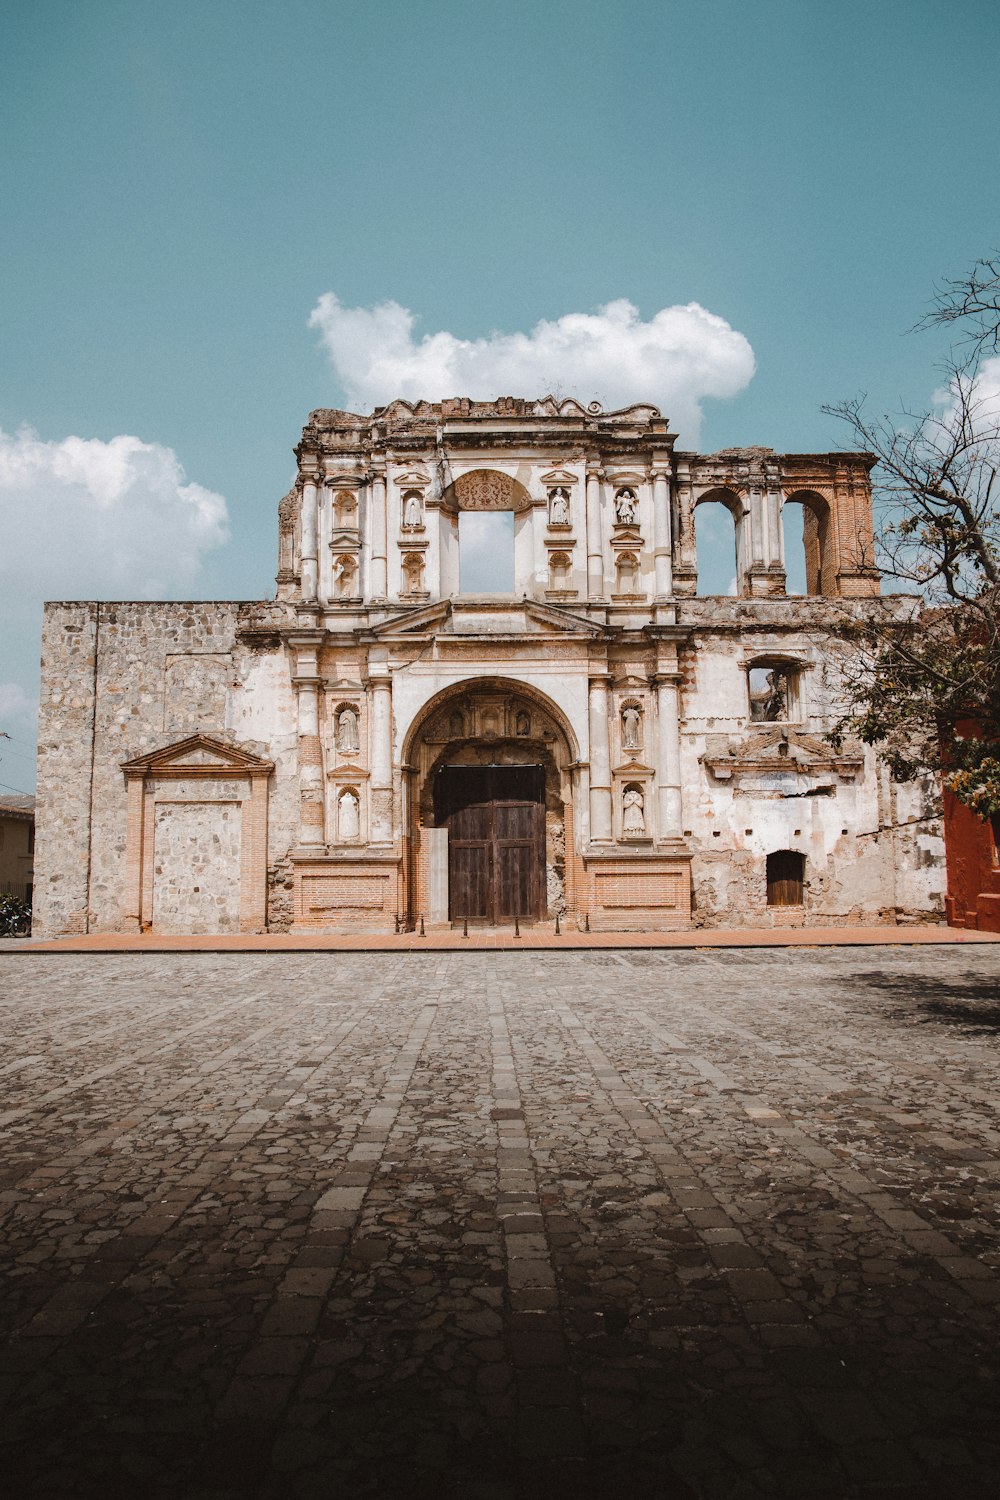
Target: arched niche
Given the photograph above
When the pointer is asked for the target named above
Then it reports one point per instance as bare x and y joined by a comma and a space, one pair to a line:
720, 542
805, 525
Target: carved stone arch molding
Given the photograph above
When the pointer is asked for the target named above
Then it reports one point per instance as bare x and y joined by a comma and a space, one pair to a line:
486, 489
196, 842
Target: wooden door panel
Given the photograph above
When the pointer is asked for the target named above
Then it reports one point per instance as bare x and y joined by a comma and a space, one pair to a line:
469, 882
496, 841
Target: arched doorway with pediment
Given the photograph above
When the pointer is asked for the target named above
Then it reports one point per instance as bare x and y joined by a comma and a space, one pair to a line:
489, 768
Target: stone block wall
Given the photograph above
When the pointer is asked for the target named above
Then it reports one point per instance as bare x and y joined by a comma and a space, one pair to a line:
120, 680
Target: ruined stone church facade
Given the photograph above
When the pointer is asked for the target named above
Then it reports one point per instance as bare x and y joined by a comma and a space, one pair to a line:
374, 748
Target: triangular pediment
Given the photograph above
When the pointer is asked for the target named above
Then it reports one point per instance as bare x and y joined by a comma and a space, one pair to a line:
198, 753
479, 617
783, 752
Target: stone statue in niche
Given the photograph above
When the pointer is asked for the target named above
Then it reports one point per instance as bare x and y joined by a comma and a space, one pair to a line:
413, 573
456, 725
631, 728
413, 517
633, 813
626, 506
558, 507
347, 731
345, 575
348, 816
522, 724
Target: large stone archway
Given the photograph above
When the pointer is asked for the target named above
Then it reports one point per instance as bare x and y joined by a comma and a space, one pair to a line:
500, 728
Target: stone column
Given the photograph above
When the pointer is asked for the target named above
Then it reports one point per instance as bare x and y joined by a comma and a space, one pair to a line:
309, 569
306, 680
379, 554
595, 544
311, 834
380, 683
670, 808
661, 534
600, 762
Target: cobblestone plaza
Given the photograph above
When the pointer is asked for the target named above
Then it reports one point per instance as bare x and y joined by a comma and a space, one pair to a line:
498, 1225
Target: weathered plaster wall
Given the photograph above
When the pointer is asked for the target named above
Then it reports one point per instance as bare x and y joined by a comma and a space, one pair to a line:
197, 864
873, 850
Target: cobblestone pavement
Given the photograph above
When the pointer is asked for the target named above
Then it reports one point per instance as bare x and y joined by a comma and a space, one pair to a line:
679, 1224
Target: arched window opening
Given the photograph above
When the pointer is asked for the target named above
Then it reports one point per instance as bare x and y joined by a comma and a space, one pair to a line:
773, 689
716, 547
805, 526
486, 551
786, 873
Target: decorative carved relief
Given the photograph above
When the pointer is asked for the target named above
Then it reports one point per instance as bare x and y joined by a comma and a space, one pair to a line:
488, 489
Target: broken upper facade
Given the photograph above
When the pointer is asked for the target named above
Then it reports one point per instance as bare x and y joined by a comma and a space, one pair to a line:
376, 747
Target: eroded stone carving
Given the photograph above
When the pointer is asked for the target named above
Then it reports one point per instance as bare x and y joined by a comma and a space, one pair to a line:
348, 815
626, 507
631, 727
347, 731
413, 516
633, 812
558, 507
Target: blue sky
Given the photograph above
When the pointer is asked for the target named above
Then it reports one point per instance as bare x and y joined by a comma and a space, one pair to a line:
182, 184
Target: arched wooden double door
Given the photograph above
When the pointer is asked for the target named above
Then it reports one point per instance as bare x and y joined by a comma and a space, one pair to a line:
495, 816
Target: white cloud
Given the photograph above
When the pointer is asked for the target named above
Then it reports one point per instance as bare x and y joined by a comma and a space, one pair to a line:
677, 359
85, 519
18, 711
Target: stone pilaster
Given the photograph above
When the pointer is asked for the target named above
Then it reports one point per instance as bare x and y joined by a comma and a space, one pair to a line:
595, 541
379, 546
309, 566
306, 680
670, 810
380, 685
662, 541
600, 761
